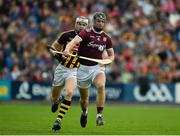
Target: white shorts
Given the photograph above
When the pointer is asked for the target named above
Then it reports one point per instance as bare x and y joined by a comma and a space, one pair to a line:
86, 75
63, 73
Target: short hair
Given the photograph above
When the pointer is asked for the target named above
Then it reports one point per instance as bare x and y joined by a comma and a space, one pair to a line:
82, 19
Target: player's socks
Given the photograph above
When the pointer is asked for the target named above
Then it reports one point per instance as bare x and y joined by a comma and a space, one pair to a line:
99, 119
99, 110
63, 109
54, 106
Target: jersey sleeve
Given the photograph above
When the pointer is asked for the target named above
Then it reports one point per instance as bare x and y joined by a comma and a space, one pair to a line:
109, 43
62, 38
83, 34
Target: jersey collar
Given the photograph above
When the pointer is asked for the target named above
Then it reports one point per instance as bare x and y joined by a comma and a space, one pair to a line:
96, 31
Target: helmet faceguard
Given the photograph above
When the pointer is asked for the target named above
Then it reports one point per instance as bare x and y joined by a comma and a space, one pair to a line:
82, 19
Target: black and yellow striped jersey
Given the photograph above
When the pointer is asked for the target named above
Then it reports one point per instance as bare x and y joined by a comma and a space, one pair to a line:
64, 38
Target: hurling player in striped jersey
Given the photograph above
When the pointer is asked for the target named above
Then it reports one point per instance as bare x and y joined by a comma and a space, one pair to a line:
65, 75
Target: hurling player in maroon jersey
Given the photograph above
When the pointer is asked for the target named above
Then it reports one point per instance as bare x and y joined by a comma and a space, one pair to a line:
65, 75
93, 42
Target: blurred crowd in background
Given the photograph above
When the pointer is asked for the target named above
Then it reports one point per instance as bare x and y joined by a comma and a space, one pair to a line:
145, 34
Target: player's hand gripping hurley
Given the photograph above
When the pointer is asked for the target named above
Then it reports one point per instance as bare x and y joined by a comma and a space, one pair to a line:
100, 61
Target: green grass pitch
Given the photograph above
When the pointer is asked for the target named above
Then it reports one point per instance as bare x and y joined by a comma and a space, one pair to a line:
36, 119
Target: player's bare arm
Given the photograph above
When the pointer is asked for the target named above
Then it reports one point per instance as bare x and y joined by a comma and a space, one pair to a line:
110, 53
71, 44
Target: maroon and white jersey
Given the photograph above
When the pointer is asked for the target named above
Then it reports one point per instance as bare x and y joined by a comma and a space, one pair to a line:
93, 44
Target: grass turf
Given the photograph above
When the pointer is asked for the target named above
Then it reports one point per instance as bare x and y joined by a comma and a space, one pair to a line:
36, 119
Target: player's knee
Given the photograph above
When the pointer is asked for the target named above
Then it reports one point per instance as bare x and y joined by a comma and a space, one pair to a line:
100, 86
100, 89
